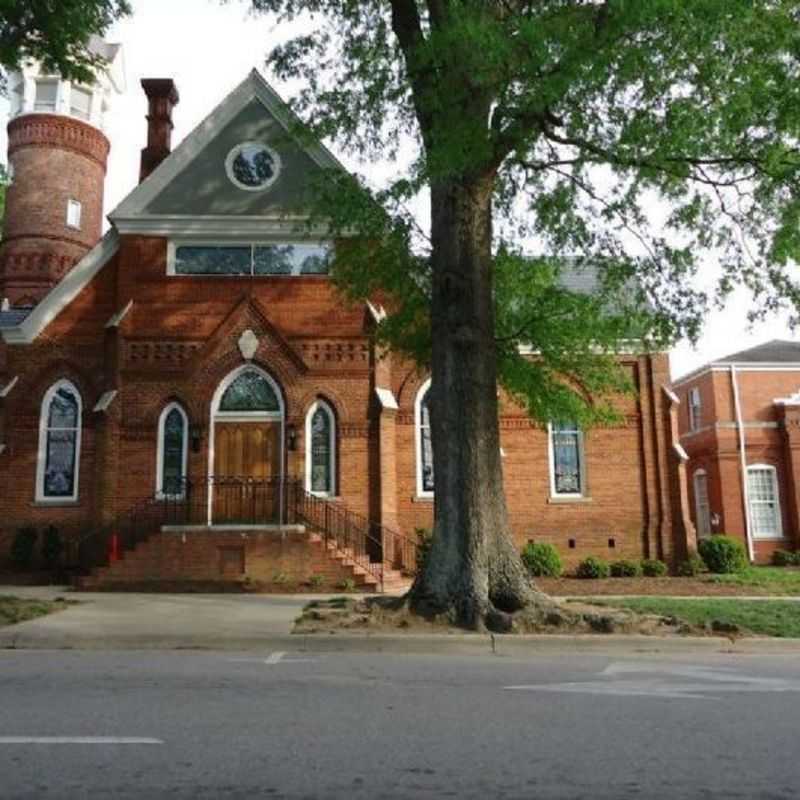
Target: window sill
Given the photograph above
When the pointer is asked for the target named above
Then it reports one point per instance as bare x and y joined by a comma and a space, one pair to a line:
422, 498
781, 538
55, 503
559, 501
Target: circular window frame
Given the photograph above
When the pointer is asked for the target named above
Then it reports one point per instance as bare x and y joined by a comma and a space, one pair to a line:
231, 157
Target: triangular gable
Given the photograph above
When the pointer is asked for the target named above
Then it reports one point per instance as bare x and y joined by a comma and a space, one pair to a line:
190, 190
248, 314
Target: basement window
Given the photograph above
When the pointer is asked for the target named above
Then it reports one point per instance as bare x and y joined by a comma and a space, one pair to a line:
249, 260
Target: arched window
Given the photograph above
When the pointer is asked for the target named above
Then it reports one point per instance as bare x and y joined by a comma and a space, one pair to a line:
763, 502
567, 462
321, 449
422, 418
173, 429
701, 504
58, 461
249, 392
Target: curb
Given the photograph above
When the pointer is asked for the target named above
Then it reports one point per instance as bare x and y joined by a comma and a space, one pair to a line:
426, 644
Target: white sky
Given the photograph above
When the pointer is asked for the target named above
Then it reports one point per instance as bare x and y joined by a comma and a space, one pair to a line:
208, 48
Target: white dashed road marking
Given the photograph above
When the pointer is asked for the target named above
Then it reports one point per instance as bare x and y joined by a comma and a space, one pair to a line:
278, 657
78, 740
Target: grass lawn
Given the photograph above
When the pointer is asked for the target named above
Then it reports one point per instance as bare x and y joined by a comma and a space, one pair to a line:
773, 580
15, 609
779, 618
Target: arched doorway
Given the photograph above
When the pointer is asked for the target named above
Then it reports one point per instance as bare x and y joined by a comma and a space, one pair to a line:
246, 450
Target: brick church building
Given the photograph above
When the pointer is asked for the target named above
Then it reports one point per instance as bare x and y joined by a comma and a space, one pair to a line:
187, 398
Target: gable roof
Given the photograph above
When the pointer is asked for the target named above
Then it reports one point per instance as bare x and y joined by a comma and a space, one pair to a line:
777, 351
135, 213
770, 355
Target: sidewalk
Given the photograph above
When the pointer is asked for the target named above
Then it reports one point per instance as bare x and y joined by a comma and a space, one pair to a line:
110, 621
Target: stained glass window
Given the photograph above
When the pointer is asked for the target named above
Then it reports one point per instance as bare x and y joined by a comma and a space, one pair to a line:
252, 166
62, 434
250, 391
173, 453
425, 445
321, 443
567, 450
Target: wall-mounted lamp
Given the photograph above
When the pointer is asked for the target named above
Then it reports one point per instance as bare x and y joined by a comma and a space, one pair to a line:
196, 435
291, 437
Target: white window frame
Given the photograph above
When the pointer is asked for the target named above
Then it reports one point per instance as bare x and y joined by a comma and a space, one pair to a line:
421, 392
51, 80
554, 495
41, 456
174, 244
74, 208
695, 405
321, 405
778, 533
162, 421
88, 91
701, 513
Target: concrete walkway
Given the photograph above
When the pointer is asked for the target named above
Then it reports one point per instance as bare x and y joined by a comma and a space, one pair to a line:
128, 621
108, 620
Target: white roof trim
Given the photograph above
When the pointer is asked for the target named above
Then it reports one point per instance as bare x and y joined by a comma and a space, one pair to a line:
252, 87
63, 293
386, 398
4, 391
106, 399
741, 366
224, 228
792, 400
115, 321
673, 398
682, 454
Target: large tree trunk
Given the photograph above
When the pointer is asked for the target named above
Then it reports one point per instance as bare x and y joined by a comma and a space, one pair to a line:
473, 573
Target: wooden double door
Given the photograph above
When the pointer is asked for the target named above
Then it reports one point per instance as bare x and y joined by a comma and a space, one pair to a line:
247, 484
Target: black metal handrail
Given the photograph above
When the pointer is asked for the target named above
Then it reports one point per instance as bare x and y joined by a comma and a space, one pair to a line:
242, 500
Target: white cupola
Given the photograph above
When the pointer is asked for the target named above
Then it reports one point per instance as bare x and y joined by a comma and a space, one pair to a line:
34, 90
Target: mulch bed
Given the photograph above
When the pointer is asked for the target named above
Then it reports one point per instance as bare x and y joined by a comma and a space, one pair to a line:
671, 587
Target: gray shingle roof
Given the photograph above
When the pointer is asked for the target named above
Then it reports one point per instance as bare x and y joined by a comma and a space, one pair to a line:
777, 351
13, 317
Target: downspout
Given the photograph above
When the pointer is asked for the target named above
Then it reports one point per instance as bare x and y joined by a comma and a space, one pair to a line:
742, 463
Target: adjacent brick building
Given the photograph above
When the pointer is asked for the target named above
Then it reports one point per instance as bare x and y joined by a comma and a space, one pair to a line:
740, 426
198, 356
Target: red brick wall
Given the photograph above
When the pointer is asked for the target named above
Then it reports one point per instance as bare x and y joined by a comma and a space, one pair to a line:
179, 341
54, 159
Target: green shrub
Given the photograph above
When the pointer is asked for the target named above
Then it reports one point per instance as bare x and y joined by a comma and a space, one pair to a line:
52, 547
785, 558
542, 560
347, 585
315, 581
625, 569
723, 554
692, 567
593, 567
653, 568
23, 546
280, 578
424, 539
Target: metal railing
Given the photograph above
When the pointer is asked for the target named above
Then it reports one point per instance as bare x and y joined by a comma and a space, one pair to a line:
241, 501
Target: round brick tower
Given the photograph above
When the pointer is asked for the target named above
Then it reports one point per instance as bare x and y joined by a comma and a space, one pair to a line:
57, 154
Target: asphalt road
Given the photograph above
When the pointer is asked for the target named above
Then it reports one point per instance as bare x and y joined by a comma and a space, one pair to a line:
332, 725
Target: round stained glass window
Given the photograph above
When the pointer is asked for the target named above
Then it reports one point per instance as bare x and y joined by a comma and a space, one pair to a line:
253, 166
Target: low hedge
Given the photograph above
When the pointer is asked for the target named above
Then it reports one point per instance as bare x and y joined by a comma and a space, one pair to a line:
653, 568
722, 554
625, 569
542, 560
592, 568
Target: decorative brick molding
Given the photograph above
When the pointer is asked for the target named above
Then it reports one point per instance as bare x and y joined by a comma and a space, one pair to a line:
51, 130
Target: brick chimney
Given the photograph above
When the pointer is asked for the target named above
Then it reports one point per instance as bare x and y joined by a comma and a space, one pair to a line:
162, 97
